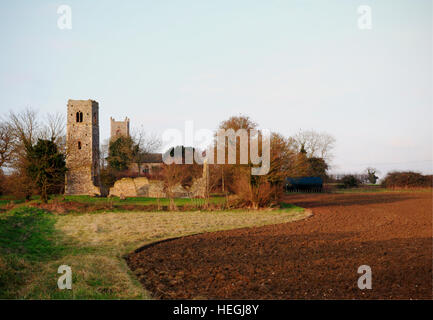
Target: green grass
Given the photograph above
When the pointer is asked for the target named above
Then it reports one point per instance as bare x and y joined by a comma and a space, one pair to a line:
132, 200
27, 239
6, 200
34, 243
28, 232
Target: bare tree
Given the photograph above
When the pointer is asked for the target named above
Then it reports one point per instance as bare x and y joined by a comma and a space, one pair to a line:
259, 191
228, 171
174, 175
147, 142
316, 144
103, 153
238, 122
27, 130
26, 126
55, 126
6, 143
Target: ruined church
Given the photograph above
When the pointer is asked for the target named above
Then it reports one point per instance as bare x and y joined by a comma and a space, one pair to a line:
82, 158
82, 148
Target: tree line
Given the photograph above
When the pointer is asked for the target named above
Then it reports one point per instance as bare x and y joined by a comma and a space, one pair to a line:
305, 154
33, 152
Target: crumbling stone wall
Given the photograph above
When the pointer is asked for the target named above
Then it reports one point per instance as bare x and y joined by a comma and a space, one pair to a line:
130, 187
142, 187
82, 148
200, 186
137, 187
156, 189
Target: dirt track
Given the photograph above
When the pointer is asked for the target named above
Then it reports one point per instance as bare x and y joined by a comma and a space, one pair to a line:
316, 258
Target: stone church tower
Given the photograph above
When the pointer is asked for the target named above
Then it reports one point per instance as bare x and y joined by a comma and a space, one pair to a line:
82, 143
119, 129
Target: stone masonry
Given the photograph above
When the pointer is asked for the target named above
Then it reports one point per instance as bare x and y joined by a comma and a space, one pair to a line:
82, 159
82, 143
118, 128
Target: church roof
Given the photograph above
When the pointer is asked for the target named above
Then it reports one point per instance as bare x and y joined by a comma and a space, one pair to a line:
151, 158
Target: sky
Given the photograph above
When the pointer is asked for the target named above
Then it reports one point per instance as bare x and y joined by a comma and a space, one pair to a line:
289, 65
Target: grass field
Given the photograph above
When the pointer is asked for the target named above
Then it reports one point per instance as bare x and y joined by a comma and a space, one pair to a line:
135, 200
4, 201
115, 204
34, 243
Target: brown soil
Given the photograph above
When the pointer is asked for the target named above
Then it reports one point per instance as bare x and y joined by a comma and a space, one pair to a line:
315, 258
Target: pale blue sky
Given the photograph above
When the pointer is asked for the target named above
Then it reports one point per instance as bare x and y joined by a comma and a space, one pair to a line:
289, 65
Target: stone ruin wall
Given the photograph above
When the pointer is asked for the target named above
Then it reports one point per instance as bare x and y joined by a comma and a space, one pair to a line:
143, 187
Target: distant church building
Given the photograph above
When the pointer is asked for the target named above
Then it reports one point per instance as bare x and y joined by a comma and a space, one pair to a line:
82, 143
118, 129
82, 159
149, 162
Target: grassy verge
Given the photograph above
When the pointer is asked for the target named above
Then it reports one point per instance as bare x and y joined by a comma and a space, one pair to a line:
82, 204
135, 200
28, 238
35, 243
4, 201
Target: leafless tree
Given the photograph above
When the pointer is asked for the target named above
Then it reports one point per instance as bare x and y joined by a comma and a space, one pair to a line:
147, 142
174, 175
6, 143
26, 126
315, 144
54, 128
103, 153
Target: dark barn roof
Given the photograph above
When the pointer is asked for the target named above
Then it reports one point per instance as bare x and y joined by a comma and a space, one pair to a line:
151, 158
305, 181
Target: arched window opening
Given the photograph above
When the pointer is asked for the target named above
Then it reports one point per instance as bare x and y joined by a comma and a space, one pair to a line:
79, 116
79, 145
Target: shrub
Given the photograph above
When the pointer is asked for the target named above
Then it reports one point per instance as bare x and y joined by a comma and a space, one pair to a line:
350, 181
46, 166
255, 192
2, 182
406, 179
18, 185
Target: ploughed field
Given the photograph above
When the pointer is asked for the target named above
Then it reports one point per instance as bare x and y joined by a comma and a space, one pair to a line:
315, 258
